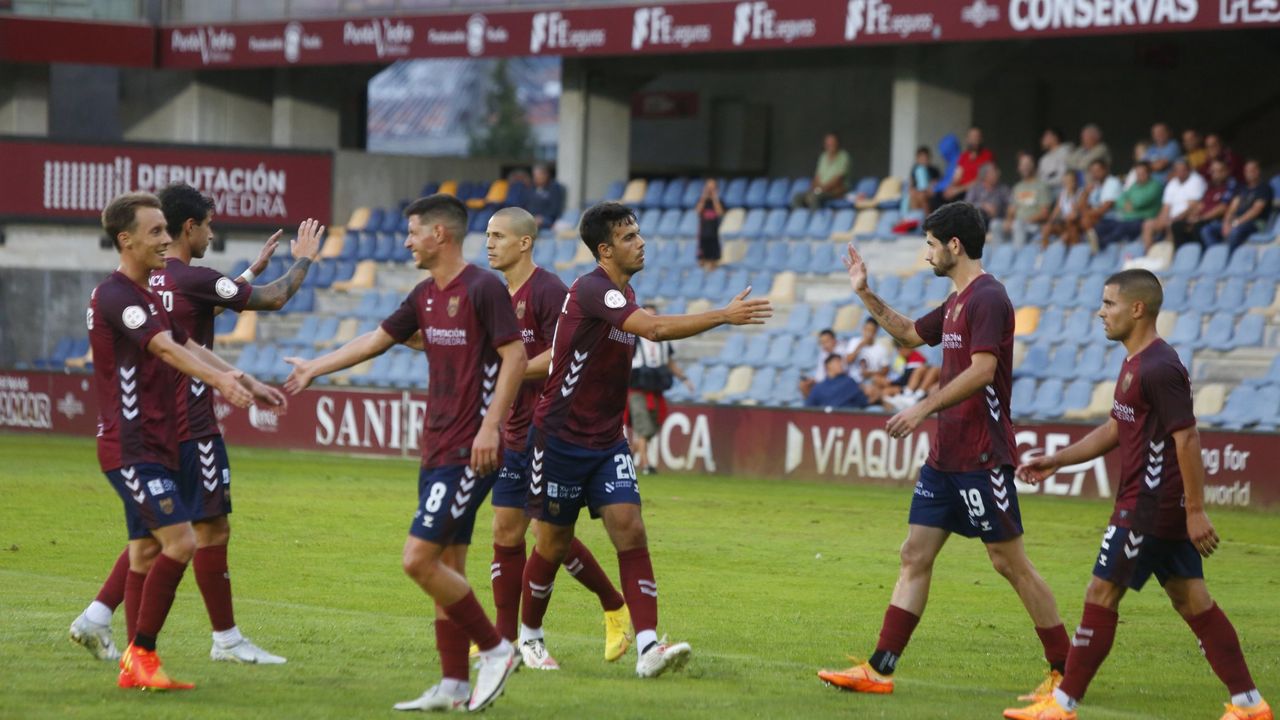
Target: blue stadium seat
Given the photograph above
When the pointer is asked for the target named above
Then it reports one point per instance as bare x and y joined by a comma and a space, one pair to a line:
376, 217
391, 221
673, 195
888, 287
756, 192
761, 389
1232, 294
679, 392
799, 257
1035, 363
1106, 261
669, 285
343, 270
1050, 327
1187, 328
776, 255
757, 351
1241, 410
1248, 333
782, 350
1037, 291
799, 185
715, 284
754, 258
1185, 260
615, 190
734, 346
866, 187
784, 388
1047, 402
326, 329
693, 191
1214, 261
1204, 294
776, 196
1053, 257
1001, 260
842, 220
1077, 395
714, 379
303, 301
886, 222
429, 188
824, 260
1269, 264
1062, 364
1092, 362
653, 194
224, 322
1217, 334
752, 225
1026, 258
797, 226
762, 283
937, 289
649, 220
819, 225
688, 226
1064, 290
668, 223
824, 316
544, 254
646, 283
691, 285
1243, 261
735, 193
1077, 260
911, 293
1016, 288
1090, 293
1271, 377
1021, 396
665, 253
1175, 294
1268, 234
774, 222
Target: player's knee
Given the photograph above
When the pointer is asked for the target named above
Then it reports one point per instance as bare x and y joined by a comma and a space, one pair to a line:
914, 558
214, 532
1104, 594
420, 568
180, 546
508, 528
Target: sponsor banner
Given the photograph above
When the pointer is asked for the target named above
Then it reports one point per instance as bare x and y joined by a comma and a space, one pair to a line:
46, 40
256, 188
722, 440
664, 104
690, 27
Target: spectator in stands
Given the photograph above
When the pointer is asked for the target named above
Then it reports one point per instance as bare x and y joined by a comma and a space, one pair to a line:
1247, 212
1182, 193
867, 359
910, 376
710, 210
1215, 149
1064, 218
991, 197
920, 179
829, 178
826, 346
1212, 207
1193, 150
546, 198
1162, 152
1134, 207
1091, 149
653, 372
1139, 155
1054, 162
1101, 193
838, 390
975, 155
1031, 200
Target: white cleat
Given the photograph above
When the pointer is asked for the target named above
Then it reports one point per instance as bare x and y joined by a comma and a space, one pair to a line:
663, 656
493, 674
95, 638
435, 700
536, 656
244, 652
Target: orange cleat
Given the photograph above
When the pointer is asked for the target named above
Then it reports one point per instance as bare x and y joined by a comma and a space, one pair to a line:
859, 678
1052, 680
144, 670
1047, 709
1262, 711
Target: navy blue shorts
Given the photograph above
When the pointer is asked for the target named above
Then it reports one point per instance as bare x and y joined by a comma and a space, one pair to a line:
1128, 559
511, 489
980, 503
563, 477
151, 498
205, 480
448, 497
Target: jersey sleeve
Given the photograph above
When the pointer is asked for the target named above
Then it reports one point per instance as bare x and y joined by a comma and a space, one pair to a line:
1167, 389
403, 323
206, 286
929, 327
601, 300
989, 319
132, 318
549, 305
494, 312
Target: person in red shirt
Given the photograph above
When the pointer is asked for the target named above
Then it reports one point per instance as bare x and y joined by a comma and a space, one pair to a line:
966, 486
974, 156
1159, 525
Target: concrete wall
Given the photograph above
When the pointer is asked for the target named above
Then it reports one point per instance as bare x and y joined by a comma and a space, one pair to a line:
24, 99
53, 304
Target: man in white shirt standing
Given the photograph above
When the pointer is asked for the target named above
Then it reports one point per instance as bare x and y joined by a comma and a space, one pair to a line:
1181, 195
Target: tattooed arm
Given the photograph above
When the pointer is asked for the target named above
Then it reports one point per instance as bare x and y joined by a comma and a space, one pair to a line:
305, 247
895, 323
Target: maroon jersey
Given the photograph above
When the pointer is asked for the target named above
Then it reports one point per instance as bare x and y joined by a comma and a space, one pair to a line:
537, 304
1152, 401
586, 390
463, 324
974, 434
190, 294
134, 387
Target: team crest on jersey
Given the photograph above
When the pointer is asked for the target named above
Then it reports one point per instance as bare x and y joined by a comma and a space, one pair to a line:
553, 508
166, 506
520, 307
1126, 382
454, 303
614, 299
133, 317
88, 318
225, 287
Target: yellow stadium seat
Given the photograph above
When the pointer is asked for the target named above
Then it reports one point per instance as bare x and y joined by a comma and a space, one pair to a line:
496, 196
866, 222
246, 329
1025, 321
634, 192
1161, 254
784, 288
1019, 352
847, 319
334, 243
344, 378
346, 332
362, 279
739, 382
843, 234
584, 255
1209, 400
733, 251
890, 190
732, 221
449, 187
1165, 322
359, 218
1099, 403
697, 306
81, 362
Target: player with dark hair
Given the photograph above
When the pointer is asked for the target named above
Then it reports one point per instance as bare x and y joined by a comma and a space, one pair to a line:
1159, 525
537, 296
579, 455
140, 355
476, 364
193, 296
966, 486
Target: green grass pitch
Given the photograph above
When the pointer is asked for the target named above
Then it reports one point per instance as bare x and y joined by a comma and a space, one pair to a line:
769, 580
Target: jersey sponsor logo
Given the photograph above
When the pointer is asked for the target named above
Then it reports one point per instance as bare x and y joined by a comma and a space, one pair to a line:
133, 317
952, 341
1122, 412
527, 336
446, 336
455, 302
620, 336
226, 288
614, 299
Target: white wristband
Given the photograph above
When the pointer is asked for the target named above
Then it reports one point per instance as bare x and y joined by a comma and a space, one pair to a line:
248, 275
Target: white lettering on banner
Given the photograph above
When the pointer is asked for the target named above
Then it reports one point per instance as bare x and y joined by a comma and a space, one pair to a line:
1228, 458
359, 423
1039, 15
980, 13
552, 31
70, 406
655, 26
1237, 494
1055, 484
698, 431
840, 451
24, 409
756, 20
263, 419
874, 17
389, 38
214, 45
1248, 11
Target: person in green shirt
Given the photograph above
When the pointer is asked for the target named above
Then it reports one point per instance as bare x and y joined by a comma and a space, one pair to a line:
829, 179
1140, 201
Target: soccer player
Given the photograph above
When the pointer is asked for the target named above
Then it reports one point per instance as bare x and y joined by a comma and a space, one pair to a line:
192, 295
579, 455
966, 486
139, 354
1159, 525
477, 363
537, 296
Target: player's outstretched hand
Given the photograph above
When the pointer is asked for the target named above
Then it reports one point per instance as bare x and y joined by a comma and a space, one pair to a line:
307, 243
228, 385
484, 451
1201, 533
742, 311
1037, 469
301, 376
264, 394
259, 265
857, 269
905, 422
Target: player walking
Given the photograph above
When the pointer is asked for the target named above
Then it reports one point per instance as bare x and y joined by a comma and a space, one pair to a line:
966, 486
1159, 525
